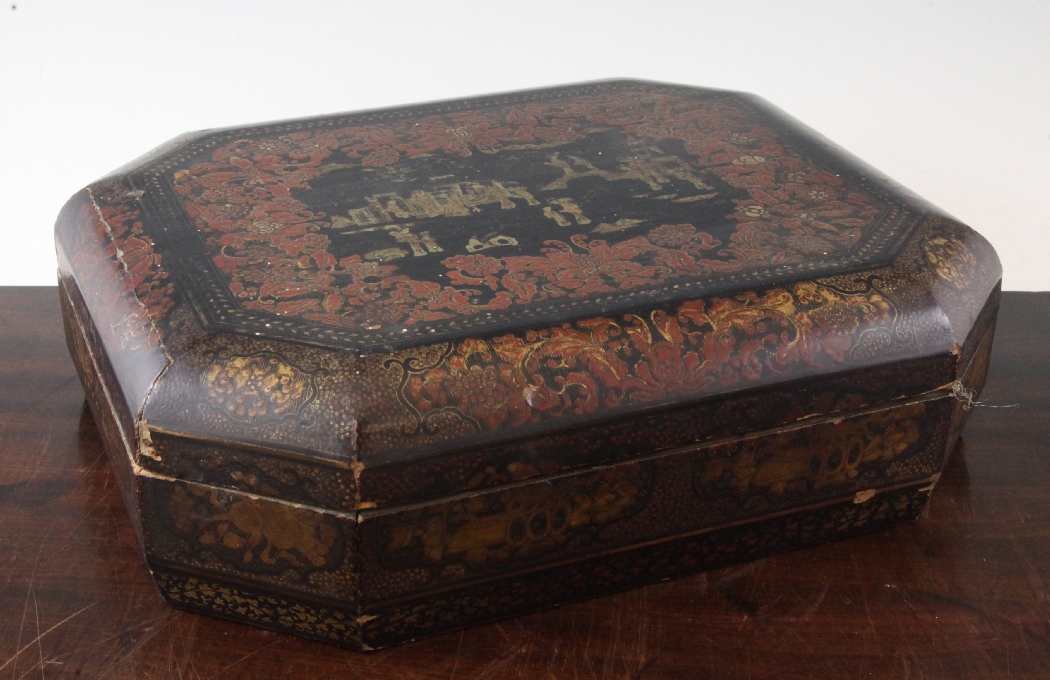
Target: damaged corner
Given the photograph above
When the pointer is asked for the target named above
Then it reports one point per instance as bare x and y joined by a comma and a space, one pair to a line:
143, 437
357, 468
144, 440
933, 482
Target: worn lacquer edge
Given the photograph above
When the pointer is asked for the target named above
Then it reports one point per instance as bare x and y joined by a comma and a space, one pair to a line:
106, 255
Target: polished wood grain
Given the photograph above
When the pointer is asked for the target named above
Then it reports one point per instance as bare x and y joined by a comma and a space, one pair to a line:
962, 593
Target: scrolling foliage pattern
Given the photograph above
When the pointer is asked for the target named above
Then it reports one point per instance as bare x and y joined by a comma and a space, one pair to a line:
602, 363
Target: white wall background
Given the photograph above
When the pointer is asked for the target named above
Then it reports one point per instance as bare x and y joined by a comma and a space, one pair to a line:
952, 99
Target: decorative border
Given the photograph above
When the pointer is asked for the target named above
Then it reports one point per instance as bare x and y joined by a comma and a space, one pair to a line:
288, 616
605, 363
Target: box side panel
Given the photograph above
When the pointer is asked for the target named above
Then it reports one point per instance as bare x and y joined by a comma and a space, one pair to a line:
479, 537
103, 394
976, 356
516, 594
263, 472
984, 323
521, 593
631, 437
284, 548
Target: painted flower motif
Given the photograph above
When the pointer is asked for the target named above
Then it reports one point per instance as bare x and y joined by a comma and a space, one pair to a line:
384, 155
122, 224
951, 259
474, 384
359, 270
383, 313
473, 270
377, 145
672, 235
805, 243
225, 193
265, 227
457, 133
273, 147
752, 211
667, 371
248, 388
559, 132
276, 272
224, 218
474, 265
594, 271
749, 160
837, 316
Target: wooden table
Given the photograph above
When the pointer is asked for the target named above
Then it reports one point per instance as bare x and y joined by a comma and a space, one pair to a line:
962, 593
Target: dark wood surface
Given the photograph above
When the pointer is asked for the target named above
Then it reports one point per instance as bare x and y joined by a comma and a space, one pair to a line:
962, 593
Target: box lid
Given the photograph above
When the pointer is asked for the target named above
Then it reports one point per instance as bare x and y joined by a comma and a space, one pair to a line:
381, 290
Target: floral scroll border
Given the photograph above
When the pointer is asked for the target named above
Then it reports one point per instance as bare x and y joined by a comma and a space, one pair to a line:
599, 364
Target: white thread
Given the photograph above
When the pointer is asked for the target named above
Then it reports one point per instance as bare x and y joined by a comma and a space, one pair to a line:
966, 395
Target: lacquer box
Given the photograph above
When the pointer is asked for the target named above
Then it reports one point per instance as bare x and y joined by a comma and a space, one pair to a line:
370, 377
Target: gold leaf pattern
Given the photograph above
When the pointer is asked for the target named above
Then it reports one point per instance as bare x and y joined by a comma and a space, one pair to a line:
494, 528
951, 259
259, 530
258, 387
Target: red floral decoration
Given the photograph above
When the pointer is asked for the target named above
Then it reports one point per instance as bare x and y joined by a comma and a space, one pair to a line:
272, 249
